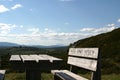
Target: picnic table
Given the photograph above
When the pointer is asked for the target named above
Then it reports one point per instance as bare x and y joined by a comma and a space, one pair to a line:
34, 65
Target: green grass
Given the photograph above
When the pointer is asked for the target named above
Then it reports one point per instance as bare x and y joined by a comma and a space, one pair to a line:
48, 76
21, 76
15, 76
105, 77
111, 77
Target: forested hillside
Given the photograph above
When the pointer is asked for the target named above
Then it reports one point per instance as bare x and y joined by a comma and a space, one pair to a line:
109, 48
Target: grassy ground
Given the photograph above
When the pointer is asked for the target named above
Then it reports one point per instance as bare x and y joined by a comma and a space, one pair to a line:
15, 76
46, 76
111, 77
21, 76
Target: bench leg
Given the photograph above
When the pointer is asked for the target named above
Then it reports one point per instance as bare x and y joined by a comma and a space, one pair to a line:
57, 78
33, 75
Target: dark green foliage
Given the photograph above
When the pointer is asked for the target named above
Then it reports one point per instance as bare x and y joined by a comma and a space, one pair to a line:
109, 45
5, 61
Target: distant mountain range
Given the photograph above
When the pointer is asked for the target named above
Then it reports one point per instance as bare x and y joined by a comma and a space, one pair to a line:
51, 46
8, 44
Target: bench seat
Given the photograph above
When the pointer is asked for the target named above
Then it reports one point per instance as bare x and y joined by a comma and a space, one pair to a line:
67, 75
2, 74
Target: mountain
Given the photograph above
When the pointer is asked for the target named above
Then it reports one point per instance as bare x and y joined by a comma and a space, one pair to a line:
8, 44
109, 48
51, 46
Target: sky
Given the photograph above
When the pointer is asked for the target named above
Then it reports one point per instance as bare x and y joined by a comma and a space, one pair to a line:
56, 22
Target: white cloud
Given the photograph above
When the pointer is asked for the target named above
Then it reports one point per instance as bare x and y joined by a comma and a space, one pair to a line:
3, 9
47, 30
87, 29
36, 36
21, 26
111, 25
43, 38
16, 6
98, 30
118, 20
5, 28
47, 37
34, 30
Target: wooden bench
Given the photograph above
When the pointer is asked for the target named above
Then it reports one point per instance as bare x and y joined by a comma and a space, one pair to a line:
86, 58
2, 74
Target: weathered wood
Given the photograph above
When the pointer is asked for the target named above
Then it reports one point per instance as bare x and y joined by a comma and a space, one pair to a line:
67, 75
2, 71
50, 58
84, 52
15, 58
84, 63
96, 75
26, 58
2, 74
38, 58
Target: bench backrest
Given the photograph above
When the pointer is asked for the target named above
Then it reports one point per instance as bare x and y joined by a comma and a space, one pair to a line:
83, 57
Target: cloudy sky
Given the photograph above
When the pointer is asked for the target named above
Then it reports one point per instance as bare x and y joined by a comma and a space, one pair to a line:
56, 22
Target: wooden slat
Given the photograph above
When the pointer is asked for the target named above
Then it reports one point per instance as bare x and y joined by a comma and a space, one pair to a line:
27, 58
70, 74
83, 63
84, 52
2, 74
77, 77
15, 58
50, 58
2, 71
38, 58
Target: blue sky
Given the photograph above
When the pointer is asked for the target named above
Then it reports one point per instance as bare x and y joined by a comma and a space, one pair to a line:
56, 22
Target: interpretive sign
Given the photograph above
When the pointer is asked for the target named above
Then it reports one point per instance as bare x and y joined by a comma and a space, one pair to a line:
84, 52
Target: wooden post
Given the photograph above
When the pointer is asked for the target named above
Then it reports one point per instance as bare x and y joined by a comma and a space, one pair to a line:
0, 61
97, 74
33, 75
71, 68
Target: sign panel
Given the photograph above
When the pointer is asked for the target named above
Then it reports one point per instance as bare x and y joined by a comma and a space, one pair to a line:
83, 63
84, 52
